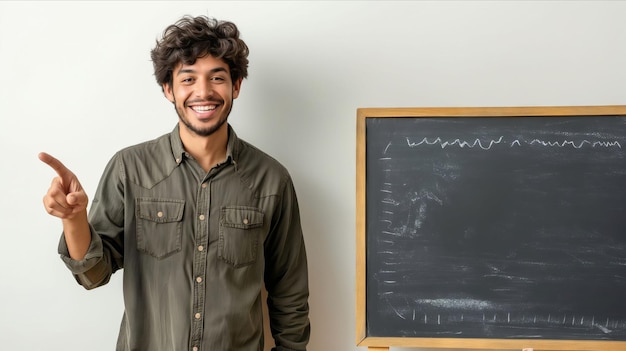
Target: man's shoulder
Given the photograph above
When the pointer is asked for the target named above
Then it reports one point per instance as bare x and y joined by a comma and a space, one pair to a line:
260, 170
251, 155
148, 162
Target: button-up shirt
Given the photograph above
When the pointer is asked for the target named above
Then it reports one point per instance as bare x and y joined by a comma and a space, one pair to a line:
197, 248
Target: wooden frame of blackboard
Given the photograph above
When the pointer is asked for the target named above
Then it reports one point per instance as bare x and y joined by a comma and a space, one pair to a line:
380, 343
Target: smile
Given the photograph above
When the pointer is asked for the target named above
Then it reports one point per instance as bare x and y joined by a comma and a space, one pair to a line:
203, 108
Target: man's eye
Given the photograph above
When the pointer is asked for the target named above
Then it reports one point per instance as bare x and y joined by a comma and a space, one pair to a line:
217, 78
187, 80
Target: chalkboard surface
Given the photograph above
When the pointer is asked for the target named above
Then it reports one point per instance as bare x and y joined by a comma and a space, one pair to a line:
505, 227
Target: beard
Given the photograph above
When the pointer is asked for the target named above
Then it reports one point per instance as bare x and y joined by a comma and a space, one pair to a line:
204, 132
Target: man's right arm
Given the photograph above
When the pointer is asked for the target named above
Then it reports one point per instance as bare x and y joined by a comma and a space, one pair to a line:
90, 255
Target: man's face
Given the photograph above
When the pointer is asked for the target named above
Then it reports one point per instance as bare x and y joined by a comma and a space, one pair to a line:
203, 94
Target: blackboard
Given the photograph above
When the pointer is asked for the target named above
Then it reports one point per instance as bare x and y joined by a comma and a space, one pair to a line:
492, 227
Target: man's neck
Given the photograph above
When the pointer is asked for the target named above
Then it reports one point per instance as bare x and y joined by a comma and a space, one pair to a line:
208, 151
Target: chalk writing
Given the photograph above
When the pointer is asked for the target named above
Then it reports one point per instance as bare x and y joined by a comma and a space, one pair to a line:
488, 144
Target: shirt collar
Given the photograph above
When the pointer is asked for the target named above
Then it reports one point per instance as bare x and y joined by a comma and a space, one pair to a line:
234, 145
179, 153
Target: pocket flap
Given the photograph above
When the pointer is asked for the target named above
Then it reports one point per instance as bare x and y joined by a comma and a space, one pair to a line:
160, 210
242, 217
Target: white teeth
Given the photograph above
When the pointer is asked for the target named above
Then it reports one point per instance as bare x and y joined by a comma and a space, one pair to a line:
203, 108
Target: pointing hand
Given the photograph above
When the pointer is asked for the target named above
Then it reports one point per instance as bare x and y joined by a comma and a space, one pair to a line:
66, 198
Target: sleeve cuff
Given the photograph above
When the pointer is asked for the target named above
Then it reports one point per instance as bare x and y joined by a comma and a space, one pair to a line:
92, 257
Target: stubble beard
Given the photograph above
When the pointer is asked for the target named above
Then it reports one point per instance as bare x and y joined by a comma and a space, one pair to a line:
204, 132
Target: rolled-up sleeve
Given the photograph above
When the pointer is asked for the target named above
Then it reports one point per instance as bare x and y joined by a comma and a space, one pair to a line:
91, 271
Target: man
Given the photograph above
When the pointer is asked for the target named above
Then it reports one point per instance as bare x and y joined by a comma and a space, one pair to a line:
199, 219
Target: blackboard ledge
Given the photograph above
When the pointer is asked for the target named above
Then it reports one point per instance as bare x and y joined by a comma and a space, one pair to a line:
495, 344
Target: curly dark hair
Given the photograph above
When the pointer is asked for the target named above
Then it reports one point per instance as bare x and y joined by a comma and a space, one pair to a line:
191, 38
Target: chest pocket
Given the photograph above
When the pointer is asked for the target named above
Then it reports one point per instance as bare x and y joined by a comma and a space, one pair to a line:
240, 231
159, 226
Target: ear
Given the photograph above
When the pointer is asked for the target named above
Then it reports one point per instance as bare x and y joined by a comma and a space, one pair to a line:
237, 87
167, 91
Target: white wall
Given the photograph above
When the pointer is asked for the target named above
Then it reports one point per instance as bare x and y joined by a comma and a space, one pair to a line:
76, 81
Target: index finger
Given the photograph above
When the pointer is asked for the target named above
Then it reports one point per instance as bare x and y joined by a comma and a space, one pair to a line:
54, 163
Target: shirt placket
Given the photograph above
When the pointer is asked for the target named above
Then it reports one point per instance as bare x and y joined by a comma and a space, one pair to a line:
199, 264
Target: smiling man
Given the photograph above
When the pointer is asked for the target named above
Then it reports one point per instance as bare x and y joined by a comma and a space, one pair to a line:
199, 220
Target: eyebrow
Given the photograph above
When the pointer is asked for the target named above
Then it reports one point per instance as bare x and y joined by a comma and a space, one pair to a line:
189, 70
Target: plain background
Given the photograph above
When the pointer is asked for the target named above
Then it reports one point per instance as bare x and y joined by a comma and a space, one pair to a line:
77, 82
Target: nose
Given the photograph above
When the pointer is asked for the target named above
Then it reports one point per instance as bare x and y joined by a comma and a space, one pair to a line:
204, 89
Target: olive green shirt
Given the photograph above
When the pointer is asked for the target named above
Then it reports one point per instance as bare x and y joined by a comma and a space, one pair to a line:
197, 248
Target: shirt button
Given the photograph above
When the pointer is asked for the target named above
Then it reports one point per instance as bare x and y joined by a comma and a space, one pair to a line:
199, 279
159, 214
204, 185
200, 248
197, 316
195, 348
201, 217
245, 221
